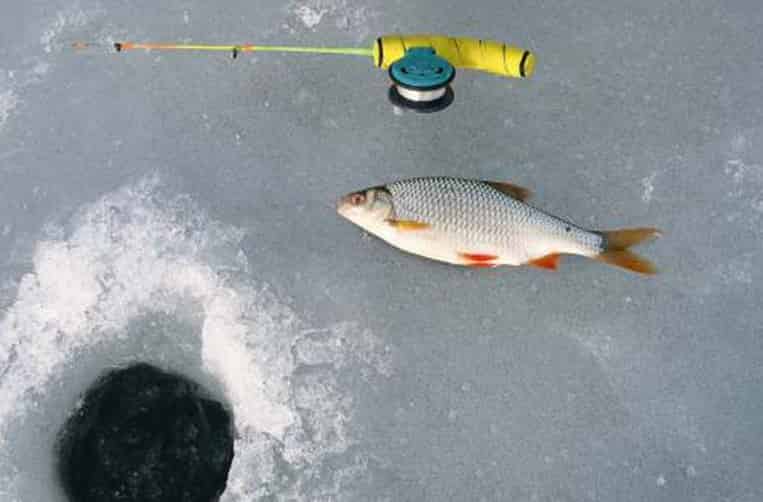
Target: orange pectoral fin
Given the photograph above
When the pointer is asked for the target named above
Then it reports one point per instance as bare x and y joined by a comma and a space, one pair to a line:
548, 262
409, 225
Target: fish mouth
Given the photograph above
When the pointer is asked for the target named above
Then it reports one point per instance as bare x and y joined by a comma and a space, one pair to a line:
343, 204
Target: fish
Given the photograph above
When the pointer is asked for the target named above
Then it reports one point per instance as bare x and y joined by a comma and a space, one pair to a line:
484, 224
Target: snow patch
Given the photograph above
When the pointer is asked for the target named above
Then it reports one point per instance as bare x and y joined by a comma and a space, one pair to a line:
8, 102
65, 20
737, 270
648, 184
745, 178
345, 15
309, 16
36, 69
137, 251
741, 174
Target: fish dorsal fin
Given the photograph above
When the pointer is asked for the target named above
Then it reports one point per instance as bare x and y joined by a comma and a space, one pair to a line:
408, 225
514, 191
548, 262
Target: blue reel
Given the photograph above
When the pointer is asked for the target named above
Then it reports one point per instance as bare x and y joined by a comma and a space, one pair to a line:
421, 81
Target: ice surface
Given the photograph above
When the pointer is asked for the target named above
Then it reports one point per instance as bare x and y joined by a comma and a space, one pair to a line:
135, 253
587, 384
8, 102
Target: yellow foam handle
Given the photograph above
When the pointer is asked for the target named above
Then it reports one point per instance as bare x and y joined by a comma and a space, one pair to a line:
461, 52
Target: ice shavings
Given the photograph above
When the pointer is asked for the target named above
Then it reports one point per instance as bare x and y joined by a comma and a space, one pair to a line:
309, 16
136, 251
344, 14
70, 18
34, 69
8, 102
648, 184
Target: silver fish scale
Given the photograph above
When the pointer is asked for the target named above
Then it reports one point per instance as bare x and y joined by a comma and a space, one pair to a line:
475, 212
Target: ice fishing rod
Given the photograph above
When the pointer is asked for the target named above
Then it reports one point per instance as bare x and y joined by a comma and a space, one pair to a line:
421, 67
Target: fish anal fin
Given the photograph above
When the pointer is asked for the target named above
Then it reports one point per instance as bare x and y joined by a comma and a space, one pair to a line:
478, 257
409, 225
514, 191
548, 262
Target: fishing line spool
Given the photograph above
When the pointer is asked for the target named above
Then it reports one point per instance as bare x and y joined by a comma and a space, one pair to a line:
432, 60
421, 81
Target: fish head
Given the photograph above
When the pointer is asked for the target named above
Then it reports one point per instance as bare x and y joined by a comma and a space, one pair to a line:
369, 208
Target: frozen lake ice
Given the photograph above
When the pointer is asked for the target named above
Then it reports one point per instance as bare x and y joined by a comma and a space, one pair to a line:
179, 209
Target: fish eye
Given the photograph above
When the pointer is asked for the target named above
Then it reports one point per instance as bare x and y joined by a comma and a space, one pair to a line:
357, 199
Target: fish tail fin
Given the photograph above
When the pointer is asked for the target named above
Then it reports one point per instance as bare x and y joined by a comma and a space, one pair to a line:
617, 244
